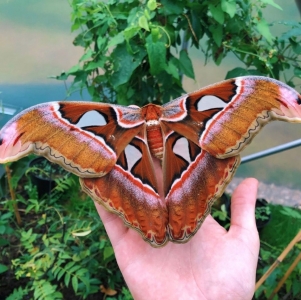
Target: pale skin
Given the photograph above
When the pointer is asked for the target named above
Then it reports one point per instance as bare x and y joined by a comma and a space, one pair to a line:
214, 264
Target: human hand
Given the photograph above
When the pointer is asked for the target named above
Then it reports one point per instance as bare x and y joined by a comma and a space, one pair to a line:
214, 264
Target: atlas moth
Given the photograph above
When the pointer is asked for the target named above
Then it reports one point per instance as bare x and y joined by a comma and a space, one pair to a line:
197, 137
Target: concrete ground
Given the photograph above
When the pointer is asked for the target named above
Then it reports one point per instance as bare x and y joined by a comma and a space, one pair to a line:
272, 193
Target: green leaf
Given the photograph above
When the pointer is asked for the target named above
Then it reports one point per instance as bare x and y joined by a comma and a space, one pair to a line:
152, 4
3, 242
124, 65
272, 3
287, 211
132, 15
69, 265
172, 70
76, 24
62, 76
26, 234
146, 14
229, 7
60, 274
67, 279
108, 253
198, 30
217, 33
295, 46
3, 268
81, 272
74, 268
102, 43
73, 69
130, 32
143, 23
294, 32
288, 285
185, 64
2, 229
82, 233
237, 72
83, 39
18, 169
92, 65
87, 55
155, 32
156, 52
6, 216
217, 13
296, 287
75, 283
117, 39
297, 72
264, 29
172, 8
265, 254
18, 294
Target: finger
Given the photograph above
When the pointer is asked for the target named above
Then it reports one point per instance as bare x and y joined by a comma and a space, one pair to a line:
243, 205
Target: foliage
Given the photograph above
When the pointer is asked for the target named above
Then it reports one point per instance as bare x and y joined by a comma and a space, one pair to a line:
291, 288
60, 251
285, 224
262, 213
136, 52
45, 169
221, 211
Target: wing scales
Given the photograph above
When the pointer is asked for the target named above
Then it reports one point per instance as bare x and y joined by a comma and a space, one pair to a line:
203, 134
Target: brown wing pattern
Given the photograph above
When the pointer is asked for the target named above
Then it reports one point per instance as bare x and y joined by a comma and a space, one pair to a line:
246, 105
193, 180
258, 100
67, 133
129, 190
189, 200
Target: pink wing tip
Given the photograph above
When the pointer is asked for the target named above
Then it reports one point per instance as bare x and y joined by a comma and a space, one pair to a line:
10, 144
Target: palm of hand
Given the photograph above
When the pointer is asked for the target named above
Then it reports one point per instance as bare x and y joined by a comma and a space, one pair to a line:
214, 264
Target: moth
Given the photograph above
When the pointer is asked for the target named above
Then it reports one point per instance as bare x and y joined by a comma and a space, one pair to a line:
197, 137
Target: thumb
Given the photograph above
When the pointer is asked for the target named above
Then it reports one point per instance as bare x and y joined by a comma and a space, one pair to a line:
243, 205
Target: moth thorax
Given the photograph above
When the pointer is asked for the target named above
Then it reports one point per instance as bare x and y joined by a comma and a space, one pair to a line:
154, 138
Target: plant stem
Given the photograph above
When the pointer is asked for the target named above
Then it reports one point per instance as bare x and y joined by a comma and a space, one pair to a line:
286, 275
280, 258
13, 195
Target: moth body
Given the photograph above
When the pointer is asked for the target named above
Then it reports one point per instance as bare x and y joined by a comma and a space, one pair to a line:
152, 115
155, 140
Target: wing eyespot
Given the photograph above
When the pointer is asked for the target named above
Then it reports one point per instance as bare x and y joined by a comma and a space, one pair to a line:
210, 102
92, 118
